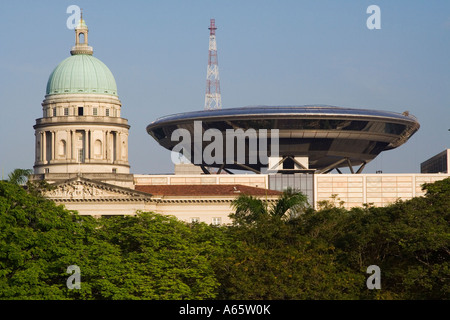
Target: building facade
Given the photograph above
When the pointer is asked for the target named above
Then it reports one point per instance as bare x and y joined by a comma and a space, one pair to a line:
439, 163
82, 151
350, 190
81, 129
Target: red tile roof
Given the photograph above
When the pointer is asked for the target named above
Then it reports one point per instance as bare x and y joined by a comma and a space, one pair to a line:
205, 190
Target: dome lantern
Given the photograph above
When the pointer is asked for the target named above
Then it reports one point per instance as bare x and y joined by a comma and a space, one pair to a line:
81, 39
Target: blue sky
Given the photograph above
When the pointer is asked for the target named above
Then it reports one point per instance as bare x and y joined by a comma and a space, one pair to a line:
270, 53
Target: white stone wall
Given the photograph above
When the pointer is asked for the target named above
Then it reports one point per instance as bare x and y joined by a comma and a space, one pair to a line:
353, 189
206, 212
100, 134
376, 189
251, 180
110, 207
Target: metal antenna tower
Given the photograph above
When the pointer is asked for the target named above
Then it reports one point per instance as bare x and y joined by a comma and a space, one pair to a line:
213, 99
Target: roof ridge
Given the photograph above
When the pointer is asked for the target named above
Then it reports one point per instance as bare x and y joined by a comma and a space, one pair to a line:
205, 189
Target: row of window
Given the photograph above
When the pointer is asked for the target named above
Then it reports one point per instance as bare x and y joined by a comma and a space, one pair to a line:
81, 111
47, 170
164, 131
214, 221
310, 124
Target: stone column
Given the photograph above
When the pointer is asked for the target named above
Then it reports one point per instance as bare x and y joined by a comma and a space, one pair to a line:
72, 145
44, 147
86, 145
68, 154
107, 152
36, 152
104, 146
91, 146
119, 146
52, 150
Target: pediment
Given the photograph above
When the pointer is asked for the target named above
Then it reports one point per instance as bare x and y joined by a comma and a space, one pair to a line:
85, 189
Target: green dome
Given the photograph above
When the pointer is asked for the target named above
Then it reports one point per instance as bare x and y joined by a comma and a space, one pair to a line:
81, 73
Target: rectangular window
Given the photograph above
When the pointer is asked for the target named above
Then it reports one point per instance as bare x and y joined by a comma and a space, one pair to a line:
54, 112
216, 221
66, 111
80, 155
108, 216
47, 170
114, 170
107, 112
94, 111
195, 220
80, 111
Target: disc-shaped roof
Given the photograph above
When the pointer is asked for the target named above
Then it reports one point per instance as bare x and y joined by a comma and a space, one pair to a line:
281, 112
327, 135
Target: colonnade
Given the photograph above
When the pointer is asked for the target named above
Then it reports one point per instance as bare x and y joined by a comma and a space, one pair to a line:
110, 146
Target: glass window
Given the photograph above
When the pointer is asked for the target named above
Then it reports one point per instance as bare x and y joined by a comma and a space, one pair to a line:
216, 221
66, 111
107, 112
81, 155
94, 111
394, 128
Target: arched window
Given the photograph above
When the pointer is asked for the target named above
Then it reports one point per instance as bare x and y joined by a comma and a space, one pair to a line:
97, 147
62, 148
81, 38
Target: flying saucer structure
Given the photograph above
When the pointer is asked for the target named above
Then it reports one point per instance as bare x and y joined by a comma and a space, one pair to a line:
314, 138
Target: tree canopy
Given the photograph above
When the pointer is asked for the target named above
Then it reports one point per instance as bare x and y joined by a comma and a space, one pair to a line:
19, 176
249, 209
281, 251
147, 256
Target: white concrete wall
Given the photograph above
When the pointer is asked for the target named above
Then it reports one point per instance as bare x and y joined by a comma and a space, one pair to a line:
252, 180
353, 189
378, 189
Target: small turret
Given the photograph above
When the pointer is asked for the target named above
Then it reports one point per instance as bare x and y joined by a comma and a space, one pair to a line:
81, 39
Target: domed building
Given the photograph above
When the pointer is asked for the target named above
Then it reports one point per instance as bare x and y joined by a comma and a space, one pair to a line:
81, 130
82, 150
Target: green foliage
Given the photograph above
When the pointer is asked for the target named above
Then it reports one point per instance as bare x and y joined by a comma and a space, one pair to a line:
280, 251
408, 240
251, 210
35, 238
148, 256
273, 261
164, 261
19, 176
